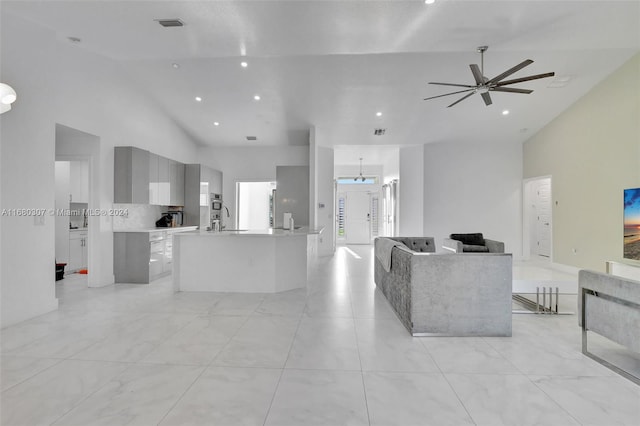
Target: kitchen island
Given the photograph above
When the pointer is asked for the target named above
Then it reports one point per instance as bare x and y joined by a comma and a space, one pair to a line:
248, 261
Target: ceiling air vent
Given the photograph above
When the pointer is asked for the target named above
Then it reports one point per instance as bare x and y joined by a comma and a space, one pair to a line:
170, 22
252, 138
379, 132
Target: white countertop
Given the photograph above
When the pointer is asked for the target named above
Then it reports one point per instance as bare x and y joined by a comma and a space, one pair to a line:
168, 229
270, 232
78, 229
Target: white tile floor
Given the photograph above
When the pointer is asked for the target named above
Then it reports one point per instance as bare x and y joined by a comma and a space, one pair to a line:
331, 354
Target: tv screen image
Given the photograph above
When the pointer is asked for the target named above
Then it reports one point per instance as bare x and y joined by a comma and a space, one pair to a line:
632, 223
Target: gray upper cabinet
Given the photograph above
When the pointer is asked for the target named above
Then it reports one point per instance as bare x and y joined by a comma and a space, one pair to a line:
131, 175
199, 183
176, 183
142, 177
215, 181
154, 179
164, 190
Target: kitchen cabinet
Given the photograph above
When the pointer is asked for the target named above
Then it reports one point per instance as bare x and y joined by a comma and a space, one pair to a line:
142, 177
141, 257
199, 182
79, 181
78, 250
164, 188
156, 254
131, 175
154, 182
176, 183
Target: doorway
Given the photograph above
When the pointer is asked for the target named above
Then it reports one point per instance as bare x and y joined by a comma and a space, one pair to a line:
71, 218
538, 218
255, 205
77, 155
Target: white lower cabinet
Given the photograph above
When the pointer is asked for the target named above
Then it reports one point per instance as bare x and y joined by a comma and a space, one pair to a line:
77, 250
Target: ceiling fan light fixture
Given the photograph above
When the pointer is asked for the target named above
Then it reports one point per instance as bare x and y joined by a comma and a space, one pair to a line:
483, 85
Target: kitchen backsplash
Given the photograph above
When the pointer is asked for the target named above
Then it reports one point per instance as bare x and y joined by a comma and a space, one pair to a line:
139, 216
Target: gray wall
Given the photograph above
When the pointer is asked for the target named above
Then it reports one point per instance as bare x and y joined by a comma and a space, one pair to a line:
292, 194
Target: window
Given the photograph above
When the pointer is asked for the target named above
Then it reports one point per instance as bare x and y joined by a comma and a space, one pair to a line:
356, 180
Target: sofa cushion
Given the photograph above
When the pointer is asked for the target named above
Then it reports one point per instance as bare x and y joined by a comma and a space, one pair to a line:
419, 244
473, 248
470, 239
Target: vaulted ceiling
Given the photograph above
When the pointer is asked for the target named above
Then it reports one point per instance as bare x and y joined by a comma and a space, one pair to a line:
335, 64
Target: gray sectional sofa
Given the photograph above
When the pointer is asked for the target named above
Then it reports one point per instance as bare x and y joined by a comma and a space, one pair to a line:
446, 294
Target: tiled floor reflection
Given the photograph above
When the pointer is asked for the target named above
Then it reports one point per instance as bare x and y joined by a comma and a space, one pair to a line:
331, 354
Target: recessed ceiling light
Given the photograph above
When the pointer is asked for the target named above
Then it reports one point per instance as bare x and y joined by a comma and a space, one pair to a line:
215, 123
175, 65
505, 112
429, 1
244, 64
198, 99
378, 114
256, 97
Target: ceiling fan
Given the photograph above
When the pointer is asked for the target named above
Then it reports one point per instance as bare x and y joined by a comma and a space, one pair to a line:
496, 84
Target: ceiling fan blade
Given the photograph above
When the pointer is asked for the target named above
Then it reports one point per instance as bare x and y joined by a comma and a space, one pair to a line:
452, 93
451, 84
510, 90
461, 99
510, 71
531, 77
477, 74
486, 98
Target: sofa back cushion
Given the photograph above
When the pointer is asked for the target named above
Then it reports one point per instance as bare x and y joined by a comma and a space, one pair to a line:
419, 244
469, 239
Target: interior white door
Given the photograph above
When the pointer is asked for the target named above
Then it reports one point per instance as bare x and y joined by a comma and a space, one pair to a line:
543, 217
358, 217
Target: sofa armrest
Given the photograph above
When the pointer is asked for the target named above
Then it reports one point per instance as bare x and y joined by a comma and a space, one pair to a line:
494, 246
452, 245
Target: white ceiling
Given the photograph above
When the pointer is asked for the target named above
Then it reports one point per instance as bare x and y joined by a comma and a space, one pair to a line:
334, 64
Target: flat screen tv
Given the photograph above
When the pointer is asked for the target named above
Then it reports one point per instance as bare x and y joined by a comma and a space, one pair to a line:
632, 223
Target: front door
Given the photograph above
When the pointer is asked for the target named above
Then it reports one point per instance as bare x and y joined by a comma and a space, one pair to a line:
358, 217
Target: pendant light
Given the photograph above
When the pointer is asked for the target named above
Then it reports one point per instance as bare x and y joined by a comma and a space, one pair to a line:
7, 97
360, 177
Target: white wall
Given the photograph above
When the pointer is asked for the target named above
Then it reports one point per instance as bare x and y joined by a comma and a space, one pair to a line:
592, 152
411, 191
27, 171
62, 176
249, 164
321, 192
62, 83
474, 187
325, 196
